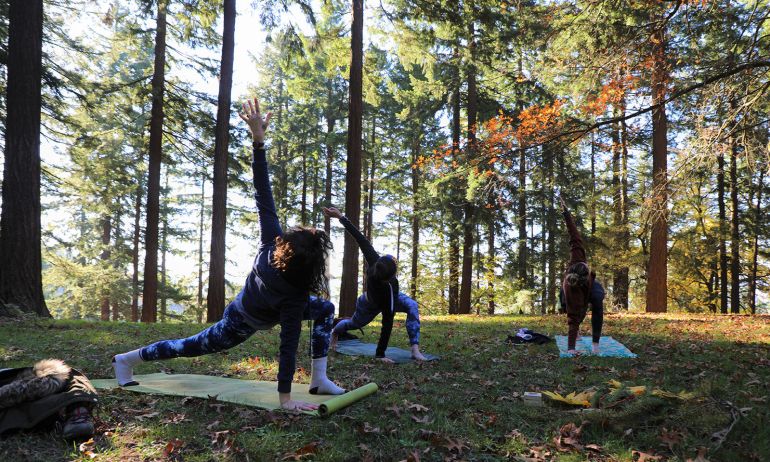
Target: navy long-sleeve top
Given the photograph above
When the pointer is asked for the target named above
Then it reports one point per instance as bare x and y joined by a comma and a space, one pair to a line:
381, 294
267, 297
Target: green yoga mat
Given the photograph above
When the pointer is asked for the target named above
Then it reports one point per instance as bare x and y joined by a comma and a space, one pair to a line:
246, 392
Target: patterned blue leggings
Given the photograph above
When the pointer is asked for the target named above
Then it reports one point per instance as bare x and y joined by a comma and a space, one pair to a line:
233, 330
366, 312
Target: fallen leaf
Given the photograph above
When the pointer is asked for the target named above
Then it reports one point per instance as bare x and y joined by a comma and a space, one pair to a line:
452, 445
424, 420
367, 428
174, 418
575, 399
418, 408
224, 440
394, 409
413, 456
670, 438
216, 406
644, 457
700, 456
305, 451
569, 438
147, 415
431, 436
594, 447
172, 446
539, 454
87, 448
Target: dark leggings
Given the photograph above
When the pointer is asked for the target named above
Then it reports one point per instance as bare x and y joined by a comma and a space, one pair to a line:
233, 330
596, 303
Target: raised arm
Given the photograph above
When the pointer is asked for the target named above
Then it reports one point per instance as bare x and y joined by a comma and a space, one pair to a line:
577, 251
269, 225
370, 254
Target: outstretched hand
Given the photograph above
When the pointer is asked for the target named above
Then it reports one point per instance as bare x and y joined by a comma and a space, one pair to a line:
293, 405
332, 212
253, 118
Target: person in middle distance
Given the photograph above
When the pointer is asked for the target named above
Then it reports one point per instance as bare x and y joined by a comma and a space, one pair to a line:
381, 296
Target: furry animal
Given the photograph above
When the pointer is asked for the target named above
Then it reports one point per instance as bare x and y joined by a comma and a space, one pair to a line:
45, 378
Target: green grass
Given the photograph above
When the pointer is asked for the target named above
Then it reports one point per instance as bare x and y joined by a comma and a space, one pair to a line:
471, 394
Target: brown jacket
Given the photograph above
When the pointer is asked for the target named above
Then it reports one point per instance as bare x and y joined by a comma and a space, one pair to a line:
576, 298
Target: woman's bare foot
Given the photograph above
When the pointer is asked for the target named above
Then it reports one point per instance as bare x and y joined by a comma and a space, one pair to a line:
416, 355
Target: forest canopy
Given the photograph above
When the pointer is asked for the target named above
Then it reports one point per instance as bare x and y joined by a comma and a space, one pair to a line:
650, 119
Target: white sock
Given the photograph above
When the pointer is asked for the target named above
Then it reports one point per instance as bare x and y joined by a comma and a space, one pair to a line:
319, 383
123, 365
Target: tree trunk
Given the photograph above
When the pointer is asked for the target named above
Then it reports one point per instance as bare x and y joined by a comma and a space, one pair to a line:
491, 263
657, 271
369, 222
163, 253
593, 182
623, 282
135, 245
755, 245
479, 266
199, 312
116, 303
105, 256
314, 211
303, 204
398, 233
21, 281
468, 208
150, 293
619, 217
455, 215
521, 213
349, 285
722, 234
735, 241
550, 226
216, 294
415, 217
329, 156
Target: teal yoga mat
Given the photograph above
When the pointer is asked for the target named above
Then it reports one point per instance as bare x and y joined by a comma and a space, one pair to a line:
608, 347
358, 348
246, 392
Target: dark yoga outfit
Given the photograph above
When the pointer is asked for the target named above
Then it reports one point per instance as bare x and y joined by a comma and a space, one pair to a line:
266, 299
596, 305
380, 297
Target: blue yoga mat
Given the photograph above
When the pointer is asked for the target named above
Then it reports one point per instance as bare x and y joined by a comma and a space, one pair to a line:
358, 348
608, 347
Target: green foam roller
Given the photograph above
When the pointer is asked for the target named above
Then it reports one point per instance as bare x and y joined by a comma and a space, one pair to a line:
333, 405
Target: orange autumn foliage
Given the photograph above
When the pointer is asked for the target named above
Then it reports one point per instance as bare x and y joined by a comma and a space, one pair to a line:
538, 123
609, 94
